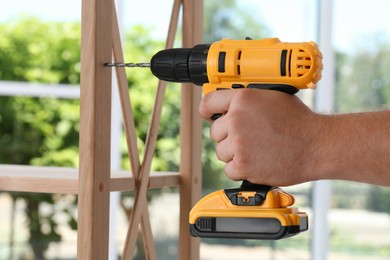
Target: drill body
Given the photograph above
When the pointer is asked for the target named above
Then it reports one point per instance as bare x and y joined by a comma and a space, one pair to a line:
266, 63
251, 211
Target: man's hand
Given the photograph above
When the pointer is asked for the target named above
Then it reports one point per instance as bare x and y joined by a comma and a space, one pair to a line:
269, 137
264, 136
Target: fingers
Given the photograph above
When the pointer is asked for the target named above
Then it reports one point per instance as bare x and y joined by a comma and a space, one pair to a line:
231, 172
223, 152
217, 102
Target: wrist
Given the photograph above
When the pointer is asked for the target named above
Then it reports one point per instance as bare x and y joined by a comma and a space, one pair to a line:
328, 148
319, 162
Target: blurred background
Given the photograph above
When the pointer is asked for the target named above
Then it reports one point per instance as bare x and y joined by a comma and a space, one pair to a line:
39, 52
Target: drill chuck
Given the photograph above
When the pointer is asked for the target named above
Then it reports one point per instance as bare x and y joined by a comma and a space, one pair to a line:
182, 64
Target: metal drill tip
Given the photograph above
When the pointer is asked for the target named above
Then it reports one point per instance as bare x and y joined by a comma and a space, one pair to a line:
128, 65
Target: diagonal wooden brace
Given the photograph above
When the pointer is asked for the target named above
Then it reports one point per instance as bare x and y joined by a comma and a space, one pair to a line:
140, 196
130, 132
131, 138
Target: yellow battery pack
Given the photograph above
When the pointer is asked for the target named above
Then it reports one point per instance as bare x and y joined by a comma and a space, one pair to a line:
250, 212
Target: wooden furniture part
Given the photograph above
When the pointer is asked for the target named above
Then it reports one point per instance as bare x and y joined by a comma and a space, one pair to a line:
94, 181
191, 127
63, 180
95, 130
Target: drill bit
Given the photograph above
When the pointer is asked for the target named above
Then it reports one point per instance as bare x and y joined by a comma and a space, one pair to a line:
128, 65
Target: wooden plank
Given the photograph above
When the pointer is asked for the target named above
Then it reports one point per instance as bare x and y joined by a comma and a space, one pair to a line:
62, 180
95, 126
49, 172
190, 136
25, 178
157, 180
140, 200
131, 137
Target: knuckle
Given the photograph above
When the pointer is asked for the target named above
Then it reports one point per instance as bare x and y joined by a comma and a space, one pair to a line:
238, 143
241, 163
241, 159
213, 132
231, 173
219, 157
204, 105
243, 96
219, 152
235, 120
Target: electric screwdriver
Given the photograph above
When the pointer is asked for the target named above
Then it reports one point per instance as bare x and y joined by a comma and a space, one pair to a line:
251, 211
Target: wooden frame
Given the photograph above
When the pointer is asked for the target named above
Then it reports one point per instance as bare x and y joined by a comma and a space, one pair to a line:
191, 127
94, 181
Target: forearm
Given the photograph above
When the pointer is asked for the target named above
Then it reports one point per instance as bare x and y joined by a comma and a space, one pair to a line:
354, 147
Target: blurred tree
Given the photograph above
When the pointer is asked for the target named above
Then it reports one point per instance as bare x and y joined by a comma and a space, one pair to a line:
363, 81
23, 47
39, 131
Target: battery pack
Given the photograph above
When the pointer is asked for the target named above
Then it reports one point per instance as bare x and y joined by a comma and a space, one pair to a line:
258, 212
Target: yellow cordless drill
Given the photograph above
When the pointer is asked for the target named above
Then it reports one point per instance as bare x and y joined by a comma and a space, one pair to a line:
251, 211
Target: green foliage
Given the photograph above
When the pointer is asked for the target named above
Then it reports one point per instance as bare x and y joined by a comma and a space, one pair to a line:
26, 43
34, 51
48, 126
379, 199
143, 88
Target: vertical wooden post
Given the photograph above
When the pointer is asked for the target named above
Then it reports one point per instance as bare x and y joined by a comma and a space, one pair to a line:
190, 135
95, 125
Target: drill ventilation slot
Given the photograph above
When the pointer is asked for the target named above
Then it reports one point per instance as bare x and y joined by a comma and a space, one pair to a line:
303, 62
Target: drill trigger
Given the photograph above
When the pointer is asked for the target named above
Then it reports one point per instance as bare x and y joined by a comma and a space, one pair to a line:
248, 194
